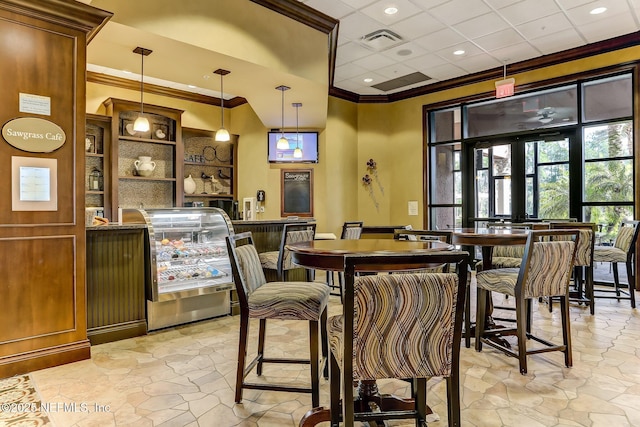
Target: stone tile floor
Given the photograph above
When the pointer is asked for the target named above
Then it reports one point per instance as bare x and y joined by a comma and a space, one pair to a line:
184, 376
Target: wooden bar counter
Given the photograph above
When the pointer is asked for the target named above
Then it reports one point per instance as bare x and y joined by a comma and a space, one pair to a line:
115, 282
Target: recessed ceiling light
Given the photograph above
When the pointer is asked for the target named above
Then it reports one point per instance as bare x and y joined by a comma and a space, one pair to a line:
206, 76
598, 10
391, 10
404, 52
458, 52
368, 80
191, 86
126, 71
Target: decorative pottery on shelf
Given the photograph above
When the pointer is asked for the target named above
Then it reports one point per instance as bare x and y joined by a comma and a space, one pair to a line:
144, 166
189, 185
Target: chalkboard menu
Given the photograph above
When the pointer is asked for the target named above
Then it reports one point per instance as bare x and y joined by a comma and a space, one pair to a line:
297, 192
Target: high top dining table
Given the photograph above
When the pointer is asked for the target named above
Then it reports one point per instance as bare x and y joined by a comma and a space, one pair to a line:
329, 255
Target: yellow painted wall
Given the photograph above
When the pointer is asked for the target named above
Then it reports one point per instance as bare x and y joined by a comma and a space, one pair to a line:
390, 134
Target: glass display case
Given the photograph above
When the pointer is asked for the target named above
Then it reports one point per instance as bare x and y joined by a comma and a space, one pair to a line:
188, 270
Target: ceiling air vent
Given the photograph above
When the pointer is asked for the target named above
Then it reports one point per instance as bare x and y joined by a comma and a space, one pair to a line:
380, 40
399, 82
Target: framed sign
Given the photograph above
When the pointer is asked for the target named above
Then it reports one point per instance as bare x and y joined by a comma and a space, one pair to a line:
296, 192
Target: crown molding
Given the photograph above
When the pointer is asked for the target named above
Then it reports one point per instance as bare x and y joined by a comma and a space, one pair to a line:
106, 79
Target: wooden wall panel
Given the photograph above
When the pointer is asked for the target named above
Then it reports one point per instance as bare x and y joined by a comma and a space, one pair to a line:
42, 253
40, 298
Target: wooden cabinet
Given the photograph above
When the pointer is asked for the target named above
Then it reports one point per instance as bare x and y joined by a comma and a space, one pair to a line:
211, 164
163, 187
97, 161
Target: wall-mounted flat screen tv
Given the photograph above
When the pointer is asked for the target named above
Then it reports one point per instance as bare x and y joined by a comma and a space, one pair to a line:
307, 141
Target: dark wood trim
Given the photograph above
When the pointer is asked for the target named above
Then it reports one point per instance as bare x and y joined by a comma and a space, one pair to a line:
106, 79
605, 46
70, 13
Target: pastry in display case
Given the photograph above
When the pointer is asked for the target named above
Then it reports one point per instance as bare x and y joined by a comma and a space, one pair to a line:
188, 270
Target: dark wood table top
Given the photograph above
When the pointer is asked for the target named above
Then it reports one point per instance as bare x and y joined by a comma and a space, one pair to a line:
329, 254
489, 236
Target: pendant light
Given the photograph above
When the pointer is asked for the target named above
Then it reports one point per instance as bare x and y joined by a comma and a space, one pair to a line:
283, 143
222, 135
297, 153
142, 123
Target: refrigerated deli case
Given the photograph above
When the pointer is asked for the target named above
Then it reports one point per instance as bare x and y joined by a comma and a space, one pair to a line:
188, 273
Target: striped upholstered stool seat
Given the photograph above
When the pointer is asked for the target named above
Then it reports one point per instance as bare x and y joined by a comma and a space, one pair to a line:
609, 254
289, 300
259, 299
501, 280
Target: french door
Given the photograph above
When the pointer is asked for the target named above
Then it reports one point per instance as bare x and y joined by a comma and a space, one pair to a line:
520, 178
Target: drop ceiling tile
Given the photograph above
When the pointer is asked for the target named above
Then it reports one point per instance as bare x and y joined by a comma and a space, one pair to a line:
424, 62
348, 71
428, 4
570, 4
405, 10
374, 61
404, 52
417, 26
457, 11
580, 15
559, 41
499, 4
357, 4
613, 26
335, 9
349, 52
529, 10
396, 70
544, 27
356, 25
499, 39
476, 63
481, 25
515, 53
469, 48
444, 72
440, 39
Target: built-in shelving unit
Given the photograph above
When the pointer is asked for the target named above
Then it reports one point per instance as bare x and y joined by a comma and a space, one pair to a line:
211, 164
163, 143
97, 158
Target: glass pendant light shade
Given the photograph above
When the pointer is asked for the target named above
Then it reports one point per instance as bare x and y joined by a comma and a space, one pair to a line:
142, 123
283, 143
297, 153
222, 135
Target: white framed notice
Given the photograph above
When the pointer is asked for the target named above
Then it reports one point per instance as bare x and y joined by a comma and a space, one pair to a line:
34, 184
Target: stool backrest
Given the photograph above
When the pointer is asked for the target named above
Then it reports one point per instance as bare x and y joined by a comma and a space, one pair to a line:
403, 325
627, 236
293, 233
547, 263
586, 241
351, 230
247, 271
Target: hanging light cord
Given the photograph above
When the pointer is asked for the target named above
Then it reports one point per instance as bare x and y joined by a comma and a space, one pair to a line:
142, 83
297, 133
282, 128
222, 98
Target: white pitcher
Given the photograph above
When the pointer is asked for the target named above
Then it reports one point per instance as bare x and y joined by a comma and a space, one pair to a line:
144, 165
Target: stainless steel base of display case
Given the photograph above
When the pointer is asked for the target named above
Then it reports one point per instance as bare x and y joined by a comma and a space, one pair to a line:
163, 314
